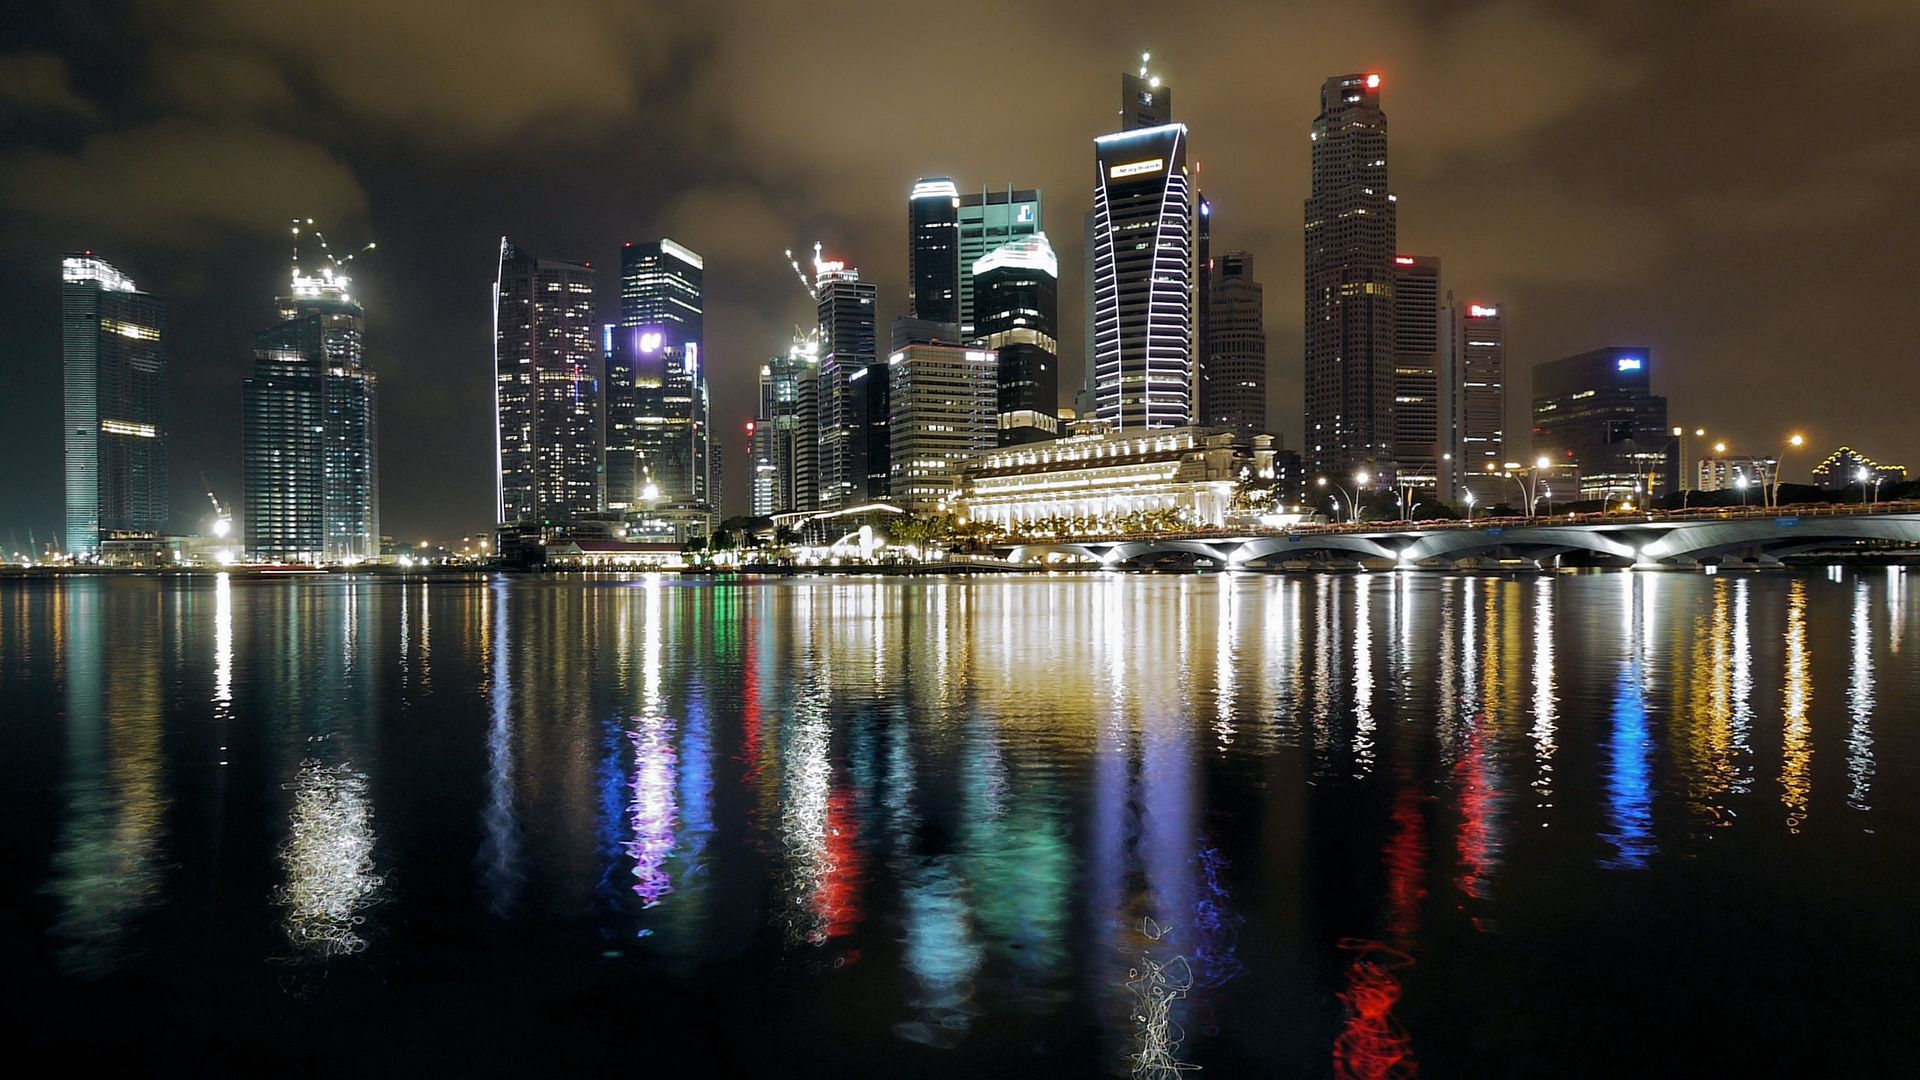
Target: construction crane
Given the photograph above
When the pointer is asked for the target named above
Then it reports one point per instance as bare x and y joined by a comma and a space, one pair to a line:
335, 267
222, 516
806, 282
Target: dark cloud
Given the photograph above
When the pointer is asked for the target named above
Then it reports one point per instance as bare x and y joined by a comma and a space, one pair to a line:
1726, 183
37, 85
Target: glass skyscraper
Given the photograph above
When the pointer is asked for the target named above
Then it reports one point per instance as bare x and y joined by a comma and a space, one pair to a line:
546, 389
1419, 444
115, 427
786, 433
1017, 287
933, 257
310, 457
659, 448
854, 450
1234, 371
1350, 241
1143, 266
987, 220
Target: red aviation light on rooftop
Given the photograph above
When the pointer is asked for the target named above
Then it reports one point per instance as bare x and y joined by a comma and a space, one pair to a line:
1373, 82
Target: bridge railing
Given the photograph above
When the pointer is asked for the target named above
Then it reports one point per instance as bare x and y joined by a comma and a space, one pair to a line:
1703, 514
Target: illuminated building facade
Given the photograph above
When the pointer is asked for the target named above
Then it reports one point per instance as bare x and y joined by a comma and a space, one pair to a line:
944, 409
1844, 466
1417, 357
1233, 372
1737, 472
786, 433
114, 365
659, 448
547, 389
1143, 275
1350, 244
1473, 397
1596, 413
1098, 480
987, 220
853, 445
310, 453
933, 250
1017, 290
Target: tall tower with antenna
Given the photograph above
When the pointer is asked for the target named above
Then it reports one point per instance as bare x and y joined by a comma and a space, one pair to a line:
310, 468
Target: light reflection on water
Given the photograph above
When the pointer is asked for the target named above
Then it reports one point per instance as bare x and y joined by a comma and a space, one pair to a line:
1113, 822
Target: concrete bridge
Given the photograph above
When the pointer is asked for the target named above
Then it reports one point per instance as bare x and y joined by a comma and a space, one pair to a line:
1724, 538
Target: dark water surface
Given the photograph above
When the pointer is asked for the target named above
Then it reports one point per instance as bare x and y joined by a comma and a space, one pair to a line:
1611, 823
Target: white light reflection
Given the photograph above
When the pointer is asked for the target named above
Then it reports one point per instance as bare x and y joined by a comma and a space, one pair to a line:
1796, 776
1226, 635
1742, 703
1860, 702
1543, 693
500, 846
328, 860
652, 808
223, 644
1363, 721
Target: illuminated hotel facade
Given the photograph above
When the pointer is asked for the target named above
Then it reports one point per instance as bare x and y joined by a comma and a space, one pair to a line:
1101, 479
114, 365
1143, 266
546, 389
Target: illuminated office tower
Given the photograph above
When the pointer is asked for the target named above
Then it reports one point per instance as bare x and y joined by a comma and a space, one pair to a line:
1234, 372
1596, 414
933, 251
546, 389
943, 401
115, 373
1143, 265
1473, 397
310, 445
1419, 446
853, 442
1017, 287
1350, 235
989, 219
659, 447
786, 432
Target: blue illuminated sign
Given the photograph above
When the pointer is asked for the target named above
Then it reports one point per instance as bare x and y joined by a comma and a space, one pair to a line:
1630, 363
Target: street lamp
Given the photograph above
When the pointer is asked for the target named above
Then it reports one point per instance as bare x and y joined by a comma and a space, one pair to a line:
1794, 442
1740, 481
1361, 477
1469, 508
1861, 475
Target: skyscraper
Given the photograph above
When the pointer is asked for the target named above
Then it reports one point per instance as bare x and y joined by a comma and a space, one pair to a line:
1473, 395
1143, 266
1350, 240
933, 251
1596, 413
115, 376
786, 433
1017, 288
1235, 366
310, 457
853, 462
546, 388
942, 398
1417, 355
657, 429
989, 219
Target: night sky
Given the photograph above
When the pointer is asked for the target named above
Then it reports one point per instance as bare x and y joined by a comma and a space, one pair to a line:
1730, 184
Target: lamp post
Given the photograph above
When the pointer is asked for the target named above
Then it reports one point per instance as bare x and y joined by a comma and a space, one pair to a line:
1530, 484
1794, 442
1469, 508
1862, 475
1322, 481
1740, 481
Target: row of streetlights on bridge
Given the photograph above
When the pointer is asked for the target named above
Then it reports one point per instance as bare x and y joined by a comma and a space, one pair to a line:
1532, 489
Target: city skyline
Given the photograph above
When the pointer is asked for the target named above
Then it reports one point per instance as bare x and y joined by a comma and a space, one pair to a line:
1600, 275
